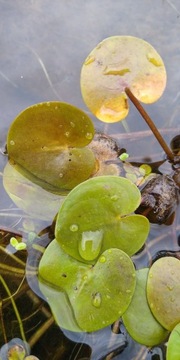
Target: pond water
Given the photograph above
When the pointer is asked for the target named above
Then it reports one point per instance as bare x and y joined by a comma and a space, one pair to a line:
43, 46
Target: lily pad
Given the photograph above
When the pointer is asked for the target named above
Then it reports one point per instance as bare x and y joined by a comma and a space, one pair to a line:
97, 215
138, 318
163, 291
96, 295
117, 63
173, 346
50, 141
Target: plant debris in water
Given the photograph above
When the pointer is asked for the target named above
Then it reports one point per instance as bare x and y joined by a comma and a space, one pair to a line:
160, 198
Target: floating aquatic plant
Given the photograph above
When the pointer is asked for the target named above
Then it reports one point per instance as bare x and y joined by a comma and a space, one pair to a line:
163, 291
82, 297
86, 273
138, 319
117, 63
49, 142
122, 67
173, 345
95, 225
98, 215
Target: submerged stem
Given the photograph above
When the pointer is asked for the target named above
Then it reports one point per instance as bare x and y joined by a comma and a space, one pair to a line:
15, 308
150, 123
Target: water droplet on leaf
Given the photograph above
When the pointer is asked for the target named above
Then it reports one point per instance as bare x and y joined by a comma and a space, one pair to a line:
89, 136
97, 299
74, 227
102, 259
90, 244
170, 287
114, 197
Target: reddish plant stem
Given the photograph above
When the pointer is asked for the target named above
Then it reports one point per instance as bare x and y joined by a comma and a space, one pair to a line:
150, 123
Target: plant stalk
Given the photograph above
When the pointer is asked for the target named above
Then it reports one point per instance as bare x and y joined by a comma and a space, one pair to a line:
150, 123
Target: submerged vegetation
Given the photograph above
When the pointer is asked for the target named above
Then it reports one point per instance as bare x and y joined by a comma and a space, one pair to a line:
100, 205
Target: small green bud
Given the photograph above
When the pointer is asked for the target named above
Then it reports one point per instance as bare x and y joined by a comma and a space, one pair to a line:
123, 156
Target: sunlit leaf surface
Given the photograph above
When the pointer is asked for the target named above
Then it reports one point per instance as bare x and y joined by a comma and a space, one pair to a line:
138, 318
86, 297
114, 64
97, 215
163, 291
50, 141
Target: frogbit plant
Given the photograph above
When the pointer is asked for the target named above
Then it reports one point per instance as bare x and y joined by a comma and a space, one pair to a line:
155, 310
85, 297
96, 232
86, 273
122, 67
97, 215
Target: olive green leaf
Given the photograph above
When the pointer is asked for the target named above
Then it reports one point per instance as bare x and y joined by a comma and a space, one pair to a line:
50, 141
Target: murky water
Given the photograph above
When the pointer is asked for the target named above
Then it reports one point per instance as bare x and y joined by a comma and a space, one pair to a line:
43, 46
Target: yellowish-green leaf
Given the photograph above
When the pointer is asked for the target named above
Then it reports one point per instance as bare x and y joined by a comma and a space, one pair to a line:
120, 62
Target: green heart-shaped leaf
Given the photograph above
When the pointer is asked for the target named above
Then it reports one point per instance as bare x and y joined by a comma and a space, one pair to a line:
163, 291
49, 140
97, 295
107, 292
173, 346
138, 318
114, 64
92, 218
